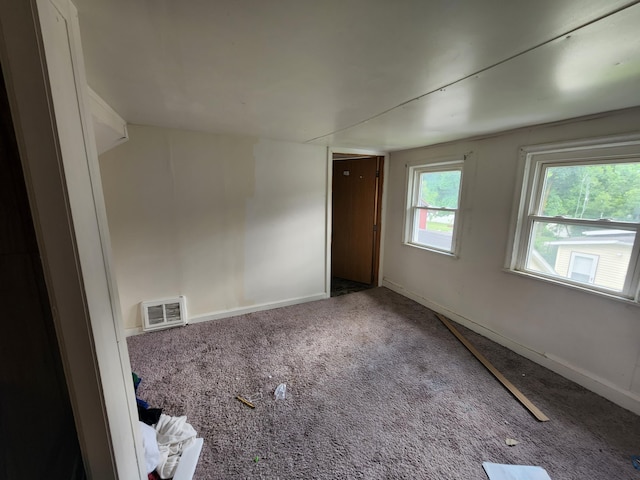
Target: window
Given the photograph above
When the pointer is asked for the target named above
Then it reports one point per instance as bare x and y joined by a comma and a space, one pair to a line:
582, 267
579, 215
433, 202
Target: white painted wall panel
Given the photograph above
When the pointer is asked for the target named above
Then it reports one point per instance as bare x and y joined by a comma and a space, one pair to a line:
286, 222
213, 179
231, 222
138, 189
588, 336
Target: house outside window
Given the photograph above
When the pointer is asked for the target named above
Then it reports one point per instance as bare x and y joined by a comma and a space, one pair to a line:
579, 215
433, 202
582, 267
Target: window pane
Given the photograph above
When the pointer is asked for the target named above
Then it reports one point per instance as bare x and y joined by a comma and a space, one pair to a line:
591, 255
592, 191
439, 189
433, 229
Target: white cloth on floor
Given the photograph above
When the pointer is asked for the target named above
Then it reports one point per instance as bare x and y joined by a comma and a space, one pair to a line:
150, 444
174, 434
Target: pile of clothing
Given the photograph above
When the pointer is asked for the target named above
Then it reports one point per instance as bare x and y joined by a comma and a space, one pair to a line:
164, 438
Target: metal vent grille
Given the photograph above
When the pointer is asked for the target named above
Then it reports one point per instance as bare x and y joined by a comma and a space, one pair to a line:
167, 313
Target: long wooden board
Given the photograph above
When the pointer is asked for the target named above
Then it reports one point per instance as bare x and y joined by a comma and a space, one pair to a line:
501, 378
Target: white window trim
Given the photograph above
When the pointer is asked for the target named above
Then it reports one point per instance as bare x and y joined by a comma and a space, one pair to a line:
532, 161
455, 163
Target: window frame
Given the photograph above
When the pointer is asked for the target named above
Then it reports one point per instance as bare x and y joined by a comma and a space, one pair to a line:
533, 162
447, 164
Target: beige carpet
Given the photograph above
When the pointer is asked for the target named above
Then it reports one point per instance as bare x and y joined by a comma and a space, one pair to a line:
377, 388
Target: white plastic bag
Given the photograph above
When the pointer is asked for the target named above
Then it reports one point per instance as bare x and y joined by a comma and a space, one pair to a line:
281, 392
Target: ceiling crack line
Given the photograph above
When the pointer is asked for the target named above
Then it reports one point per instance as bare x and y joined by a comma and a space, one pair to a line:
482, 70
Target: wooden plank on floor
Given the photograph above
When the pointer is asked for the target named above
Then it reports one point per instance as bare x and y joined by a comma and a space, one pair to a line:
501, 378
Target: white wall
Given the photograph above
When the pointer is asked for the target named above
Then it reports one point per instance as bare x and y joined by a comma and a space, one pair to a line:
234, 223
592, 340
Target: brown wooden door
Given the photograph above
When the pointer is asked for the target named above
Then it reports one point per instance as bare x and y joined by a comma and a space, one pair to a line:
355, 216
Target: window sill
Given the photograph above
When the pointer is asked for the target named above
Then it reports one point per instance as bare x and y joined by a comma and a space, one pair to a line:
610, 296
430, 249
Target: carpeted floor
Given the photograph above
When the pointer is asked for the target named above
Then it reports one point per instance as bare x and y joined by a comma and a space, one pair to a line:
377, 388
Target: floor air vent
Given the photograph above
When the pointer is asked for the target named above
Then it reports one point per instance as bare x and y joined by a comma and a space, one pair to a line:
164, 313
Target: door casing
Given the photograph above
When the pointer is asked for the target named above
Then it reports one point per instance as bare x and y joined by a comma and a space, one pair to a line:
347, 204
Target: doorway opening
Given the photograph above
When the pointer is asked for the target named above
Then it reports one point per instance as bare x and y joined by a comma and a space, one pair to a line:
29, 351
355, 227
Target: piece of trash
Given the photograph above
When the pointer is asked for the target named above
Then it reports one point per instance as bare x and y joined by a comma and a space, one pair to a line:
496, 471
269, 376
511, 442
635, 461
253, 398
256, 459
281, 392
245, 401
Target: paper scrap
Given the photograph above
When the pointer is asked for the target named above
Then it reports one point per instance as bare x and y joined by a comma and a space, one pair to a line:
511, 442
497, 471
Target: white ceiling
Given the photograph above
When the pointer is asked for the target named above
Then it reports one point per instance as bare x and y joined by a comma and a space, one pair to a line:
387, 74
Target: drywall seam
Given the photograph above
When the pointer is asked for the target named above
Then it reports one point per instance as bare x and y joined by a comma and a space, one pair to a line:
596, 384
480, 71
173, 215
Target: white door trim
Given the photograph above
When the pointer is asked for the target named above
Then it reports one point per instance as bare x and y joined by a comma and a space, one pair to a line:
383, 206
65, 209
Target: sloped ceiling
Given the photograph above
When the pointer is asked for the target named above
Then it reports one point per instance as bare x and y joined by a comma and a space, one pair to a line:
361, 73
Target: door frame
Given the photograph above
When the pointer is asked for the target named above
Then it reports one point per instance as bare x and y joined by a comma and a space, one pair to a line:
90, 336
381, 211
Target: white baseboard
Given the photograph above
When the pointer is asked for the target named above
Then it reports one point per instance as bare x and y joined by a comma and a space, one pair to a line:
130, 332
241, 311
588, 380
256, 308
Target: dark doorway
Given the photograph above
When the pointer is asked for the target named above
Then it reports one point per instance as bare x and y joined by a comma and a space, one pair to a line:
355, 243
35, 411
